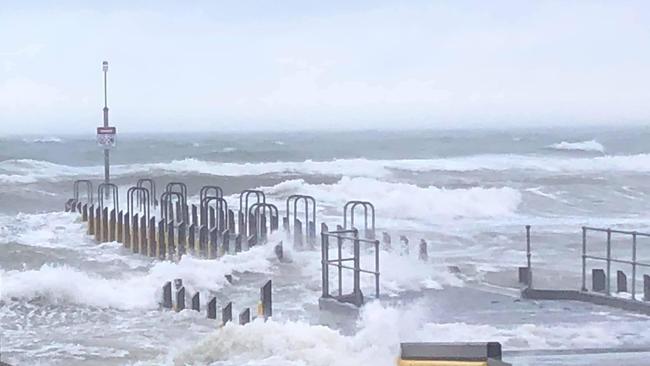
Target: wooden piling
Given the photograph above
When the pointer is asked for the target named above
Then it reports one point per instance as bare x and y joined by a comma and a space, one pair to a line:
265, 309
195, 215
212, 222
203, 242
84, 212
161, 251
91, 220
212, 247
598, 279
127, 230
231, 221
226, 314
245, 317
423, 254
143, 236
180, 299
167, 295
298, 242
104, 236
170, 240
225, 243
151, 240
646, 288
196, 302
191, 239
182, 240
212, 308
111, 227
135, 234
98, 224
238, 243
120, 227
621, 281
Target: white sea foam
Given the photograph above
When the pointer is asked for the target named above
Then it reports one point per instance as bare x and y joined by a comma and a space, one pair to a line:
590, 145
45, 140
381, 329
135, 290
29, 171
406, 201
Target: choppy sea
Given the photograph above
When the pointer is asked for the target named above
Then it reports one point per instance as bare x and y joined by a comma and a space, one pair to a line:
65, 300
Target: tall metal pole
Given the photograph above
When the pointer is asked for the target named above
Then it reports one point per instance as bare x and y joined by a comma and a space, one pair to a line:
106, 151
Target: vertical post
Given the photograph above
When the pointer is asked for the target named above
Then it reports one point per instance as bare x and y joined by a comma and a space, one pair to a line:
161, 252
191, 239
225, 243
634, 265
111, 227
127, 230
609, 261
377, 268
213, 247
529, 282
226, 314
171, 246
212, 308
339, 243
196, 302
91, 220
182, 240
325, 259
106, 151
245, 316
180, 299
151, 250
143, 236
104, 237
167, 295
195, 215
120, 228
266, 303
98, 224
135, 234
357, 263
584, 258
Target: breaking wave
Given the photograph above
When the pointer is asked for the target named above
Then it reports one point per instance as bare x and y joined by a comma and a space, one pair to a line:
407, 201
30, 171
135, 291
45, 140
591, 146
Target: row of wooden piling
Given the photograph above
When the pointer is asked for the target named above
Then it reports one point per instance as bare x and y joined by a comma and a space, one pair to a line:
264, 308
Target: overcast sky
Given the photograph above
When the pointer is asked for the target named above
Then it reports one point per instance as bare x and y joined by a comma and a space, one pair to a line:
262, 65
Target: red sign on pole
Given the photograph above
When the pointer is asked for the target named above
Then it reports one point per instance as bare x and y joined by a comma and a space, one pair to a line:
106, 137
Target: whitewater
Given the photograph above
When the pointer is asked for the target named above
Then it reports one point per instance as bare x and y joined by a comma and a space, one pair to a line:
65, 300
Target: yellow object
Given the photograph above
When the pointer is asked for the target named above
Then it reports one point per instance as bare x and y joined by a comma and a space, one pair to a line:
260, 309
440, 363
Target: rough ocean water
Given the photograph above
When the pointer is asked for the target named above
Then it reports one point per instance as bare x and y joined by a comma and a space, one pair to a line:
66, 300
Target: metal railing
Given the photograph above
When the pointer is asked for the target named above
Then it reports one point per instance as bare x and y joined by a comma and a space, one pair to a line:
608, 258
341, 235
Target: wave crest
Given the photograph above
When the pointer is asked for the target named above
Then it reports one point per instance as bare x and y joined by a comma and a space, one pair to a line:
589, 146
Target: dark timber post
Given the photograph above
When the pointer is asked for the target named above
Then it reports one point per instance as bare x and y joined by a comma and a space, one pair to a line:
180, 299
621, 281
212, 248
171, 245
266, 302
529, 274
167, 295
151, 249
191, 239
245, 317
98, 224
212, 308
104, 238
143, 236
226, 314
609, 261
91, 220
162, 246
182, 240
127, 230
225, 243
111, 227
120, 227
646, 288
599, 280
196, 302
135, 234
